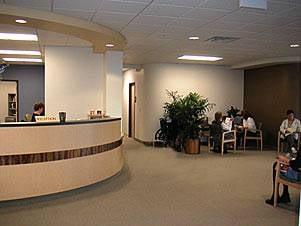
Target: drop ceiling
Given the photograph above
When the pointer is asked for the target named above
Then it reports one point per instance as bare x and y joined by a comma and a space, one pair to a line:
157, 31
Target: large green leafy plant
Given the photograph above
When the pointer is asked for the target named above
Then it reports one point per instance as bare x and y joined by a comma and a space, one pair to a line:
183, 117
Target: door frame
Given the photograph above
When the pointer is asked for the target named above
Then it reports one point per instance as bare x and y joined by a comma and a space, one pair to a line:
131, 108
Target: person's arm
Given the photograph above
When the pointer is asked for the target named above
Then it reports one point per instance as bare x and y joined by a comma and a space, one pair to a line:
298, 130
283, 127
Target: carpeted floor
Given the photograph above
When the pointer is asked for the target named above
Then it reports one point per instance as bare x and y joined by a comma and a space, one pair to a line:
160, 187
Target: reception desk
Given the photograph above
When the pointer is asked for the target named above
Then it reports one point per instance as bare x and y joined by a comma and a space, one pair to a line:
44, 158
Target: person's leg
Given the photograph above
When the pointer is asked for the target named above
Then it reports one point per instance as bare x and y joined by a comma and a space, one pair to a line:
290, 139
285, 195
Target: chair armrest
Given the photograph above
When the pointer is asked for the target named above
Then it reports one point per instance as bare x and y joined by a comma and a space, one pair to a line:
229, 132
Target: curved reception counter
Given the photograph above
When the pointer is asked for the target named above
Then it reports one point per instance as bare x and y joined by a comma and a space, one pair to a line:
44, 158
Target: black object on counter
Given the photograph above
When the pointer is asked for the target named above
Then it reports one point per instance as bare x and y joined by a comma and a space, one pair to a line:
62, 116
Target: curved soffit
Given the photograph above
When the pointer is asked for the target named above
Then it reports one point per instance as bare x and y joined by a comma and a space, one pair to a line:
98, 35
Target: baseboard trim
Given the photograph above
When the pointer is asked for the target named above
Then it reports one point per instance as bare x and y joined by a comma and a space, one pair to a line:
146, 143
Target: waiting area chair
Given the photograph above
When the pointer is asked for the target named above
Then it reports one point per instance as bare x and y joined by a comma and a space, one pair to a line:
280, 142
281, 179
226, 139
256, 136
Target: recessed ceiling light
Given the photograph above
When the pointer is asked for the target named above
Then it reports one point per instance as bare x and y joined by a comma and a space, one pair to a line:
109, 45
18, 37
21, 21
202, 58
36, 60
294, 45
194, 38
20, 52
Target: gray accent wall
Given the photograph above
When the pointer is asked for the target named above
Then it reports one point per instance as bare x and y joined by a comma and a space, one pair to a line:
31, 85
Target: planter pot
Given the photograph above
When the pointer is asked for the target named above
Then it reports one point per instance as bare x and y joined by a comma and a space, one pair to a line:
192, 146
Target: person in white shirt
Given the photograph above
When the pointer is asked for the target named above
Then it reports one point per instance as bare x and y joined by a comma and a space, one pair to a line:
289, 130
227, 124
249, 123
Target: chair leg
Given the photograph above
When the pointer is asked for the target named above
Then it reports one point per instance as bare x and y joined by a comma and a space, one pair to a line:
276, 192
261, 143
222, 151
244, 144
235, 145
257, 144
209, 144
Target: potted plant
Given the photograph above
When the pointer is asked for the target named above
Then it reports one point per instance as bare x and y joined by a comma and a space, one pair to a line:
184, 117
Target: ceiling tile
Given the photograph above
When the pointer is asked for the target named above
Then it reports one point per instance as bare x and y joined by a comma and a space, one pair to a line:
146, 29
122, 6
218, 4
242, 17
166, 10
186, 22
77, 4
275, 20
150, 20
256, 27
295, 12
80, 14
109, 17
224, 25
187, 3
38, 4
205, 14
176, 30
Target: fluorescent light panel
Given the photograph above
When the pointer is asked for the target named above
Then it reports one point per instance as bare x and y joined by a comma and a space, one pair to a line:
194, 38
18, 37
200, 58
20, 52
35, 60
21, 21
294, 45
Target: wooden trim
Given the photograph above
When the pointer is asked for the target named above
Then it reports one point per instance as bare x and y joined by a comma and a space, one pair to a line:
57, 155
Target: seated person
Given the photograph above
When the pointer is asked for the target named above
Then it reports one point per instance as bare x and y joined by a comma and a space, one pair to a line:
219, 125
227, 123
292, 171
249, 124
38, 111
289, 131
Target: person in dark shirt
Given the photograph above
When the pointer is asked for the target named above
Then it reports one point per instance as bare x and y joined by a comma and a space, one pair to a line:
38, 111
292, 172
216, 131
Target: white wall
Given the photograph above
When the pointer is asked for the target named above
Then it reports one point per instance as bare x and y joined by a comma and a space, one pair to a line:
221, 85
72, 81
130, 77
114, 78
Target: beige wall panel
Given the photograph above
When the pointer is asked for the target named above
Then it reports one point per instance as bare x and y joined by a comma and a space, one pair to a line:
28, 180
39, 139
